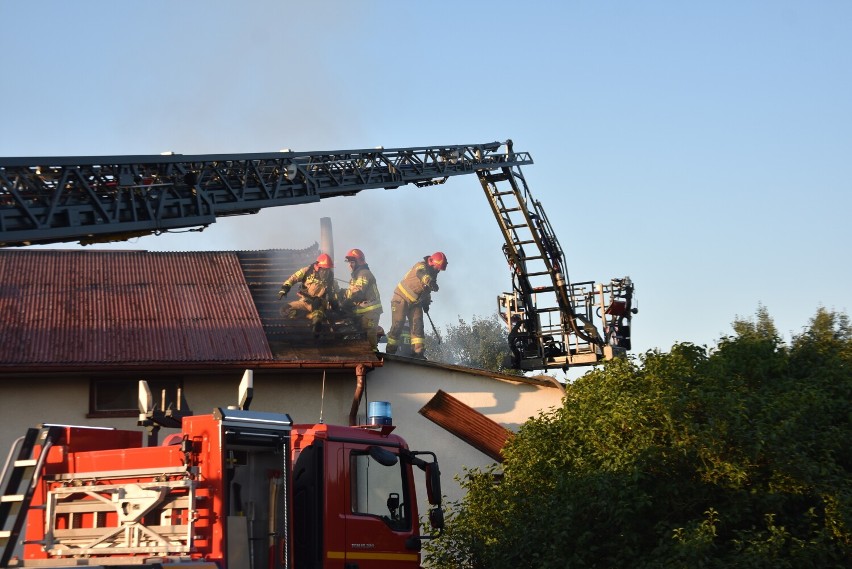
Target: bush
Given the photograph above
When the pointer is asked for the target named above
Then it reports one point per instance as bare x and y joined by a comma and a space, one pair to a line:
732, 457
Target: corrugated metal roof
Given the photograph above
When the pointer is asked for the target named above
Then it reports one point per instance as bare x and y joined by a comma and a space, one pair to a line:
73, 307
468, 424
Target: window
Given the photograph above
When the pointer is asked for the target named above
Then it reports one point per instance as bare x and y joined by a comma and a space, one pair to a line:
378, 490
119, 397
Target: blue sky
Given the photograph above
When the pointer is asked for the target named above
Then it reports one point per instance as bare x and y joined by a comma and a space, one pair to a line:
703, 149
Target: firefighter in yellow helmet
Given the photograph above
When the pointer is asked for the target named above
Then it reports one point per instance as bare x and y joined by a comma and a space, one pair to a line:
361, 300
411, 298
317, 294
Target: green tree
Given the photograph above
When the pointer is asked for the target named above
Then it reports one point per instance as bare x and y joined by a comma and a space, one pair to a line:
483, 343
732, 457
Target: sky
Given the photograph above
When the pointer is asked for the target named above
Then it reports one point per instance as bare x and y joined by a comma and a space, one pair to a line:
702, 148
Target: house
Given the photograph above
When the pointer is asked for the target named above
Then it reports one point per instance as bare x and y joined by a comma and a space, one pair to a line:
78, 329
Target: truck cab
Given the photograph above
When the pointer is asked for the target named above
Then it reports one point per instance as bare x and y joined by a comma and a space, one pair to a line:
354, 498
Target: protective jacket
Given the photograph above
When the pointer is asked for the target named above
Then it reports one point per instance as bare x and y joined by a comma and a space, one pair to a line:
418, 283
363, 292
316, 283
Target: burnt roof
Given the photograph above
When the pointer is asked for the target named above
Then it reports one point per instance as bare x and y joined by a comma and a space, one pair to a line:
71, 308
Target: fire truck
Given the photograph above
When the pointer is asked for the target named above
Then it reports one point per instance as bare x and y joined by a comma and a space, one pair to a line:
233, 489
553, 322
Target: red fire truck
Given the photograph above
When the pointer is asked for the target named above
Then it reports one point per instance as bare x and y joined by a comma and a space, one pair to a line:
235, 489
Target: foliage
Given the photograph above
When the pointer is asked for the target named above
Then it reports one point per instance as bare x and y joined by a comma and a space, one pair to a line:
482, 344
732, 457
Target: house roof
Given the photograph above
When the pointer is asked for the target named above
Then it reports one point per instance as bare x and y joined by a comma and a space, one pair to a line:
540, 380
71, 308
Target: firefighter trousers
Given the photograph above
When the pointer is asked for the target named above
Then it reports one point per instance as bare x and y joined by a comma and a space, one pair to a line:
311, 309
402, 309
368, 322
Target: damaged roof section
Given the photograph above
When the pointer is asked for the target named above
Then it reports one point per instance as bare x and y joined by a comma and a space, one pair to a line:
468, 424
293, 340
70, 307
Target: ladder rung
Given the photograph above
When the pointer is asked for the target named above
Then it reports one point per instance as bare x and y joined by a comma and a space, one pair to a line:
510, 209
25, 462
516, 226
538, 274
4, 534
12, 498
502, 193
524, 242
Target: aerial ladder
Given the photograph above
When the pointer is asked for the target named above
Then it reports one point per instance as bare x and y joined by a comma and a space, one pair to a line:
551, 321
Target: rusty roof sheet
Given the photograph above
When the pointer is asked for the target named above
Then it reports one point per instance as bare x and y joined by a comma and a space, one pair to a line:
468, 424
70, 307
114, 309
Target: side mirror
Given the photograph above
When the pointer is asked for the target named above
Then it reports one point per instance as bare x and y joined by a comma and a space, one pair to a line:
436, 518
433, 483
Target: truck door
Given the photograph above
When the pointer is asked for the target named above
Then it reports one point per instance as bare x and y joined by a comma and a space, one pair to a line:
379, 516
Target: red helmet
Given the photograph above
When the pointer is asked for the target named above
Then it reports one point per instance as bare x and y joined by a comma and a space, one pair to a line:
356, 255
324, 262
438, 261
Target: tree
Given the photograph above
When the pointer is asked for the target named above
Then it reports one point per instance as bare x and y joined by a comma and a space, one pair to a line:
732, 457
482, 344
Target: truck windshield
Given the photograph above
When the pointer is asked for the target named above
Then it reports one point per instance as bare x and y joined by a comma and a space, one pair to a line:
378, 490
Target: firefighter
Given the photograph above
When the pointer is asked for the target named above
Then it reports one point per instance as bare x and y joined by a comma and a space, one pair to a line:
411, 298
317, 294
361, 301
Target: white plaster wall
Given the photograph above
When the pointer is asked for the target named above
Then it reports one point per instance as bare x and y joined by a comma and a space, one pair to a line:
29, 402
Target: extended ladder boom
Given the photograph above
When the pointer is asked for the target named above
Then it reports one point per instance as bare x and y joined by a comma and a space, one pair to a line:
103, 198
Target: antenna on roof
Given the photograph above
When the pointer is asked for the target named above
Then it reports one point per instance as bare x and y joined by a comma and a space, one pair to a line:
322, 397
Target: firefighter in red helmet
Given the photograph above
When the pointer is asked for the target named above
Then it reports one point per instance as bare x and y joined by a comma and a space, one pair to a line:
361, 300
317, 294
411, 298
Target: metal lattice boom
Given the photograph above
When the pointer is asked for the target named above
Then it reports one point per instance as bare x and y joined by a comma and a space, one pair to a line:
102, 198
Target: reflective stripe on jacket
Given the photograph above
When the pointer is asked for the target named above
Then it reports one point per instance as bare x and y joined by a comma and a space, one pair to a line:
363, 291
315, 282
416, 281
